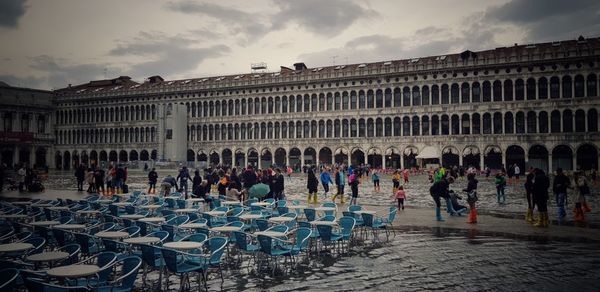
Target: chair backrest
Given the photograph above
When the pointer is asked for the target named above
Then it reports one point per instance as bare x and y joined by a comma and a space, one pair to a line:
196, 237
270, 200
279, 228
132, 230
181, 204
8, 279
65, 219
282, 210
171, 203
163, 235
129, 270
250, 201
347, 224
262, 224
114, 210
170, 257
265, 243
170, 229
217, 247
193, 216
73, 249
104, 260
329, 218
310, 213
169, 216
130, 209
181, 219
353, 208
392, 214
38, 244
329, 204
325, 232
143, 227
368, 219
85, 241
304, 224
281, 203
303, 237
23, 235
236, 211
127, 222
241, 241
167, 212
39, 285
149, 254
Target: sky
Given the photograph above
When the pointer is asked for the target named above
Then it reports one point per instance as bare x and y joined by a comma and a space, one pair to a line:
49, 44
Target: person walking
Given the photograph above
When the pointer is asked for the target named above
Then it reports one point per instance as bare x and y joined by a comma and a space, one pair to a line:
354, 181
541, 183
80, 176
559, 187
517, 172
196, 181
471, 191
400, 196
581, 189
529, 194
395, 180
99, 181
312, 185
278, 185
289, 172
168, 183
152, 179
325, 181
375, 179
21, 173
89, 179
440, 189
120, 176
340, 180
500, 182
183, 177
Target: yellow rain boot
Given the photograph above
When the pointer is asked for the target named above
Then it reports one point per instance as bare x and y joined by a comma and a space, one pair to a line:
342, 201
529, 216
333, 197
546, 220
540, 220
316, 199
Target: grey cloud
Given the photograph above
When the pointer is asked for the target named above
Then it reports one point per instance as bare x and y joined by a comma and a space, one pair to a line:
239, 22
543, 20
326, 18
168, 54
60, 72
27, 82
11, 11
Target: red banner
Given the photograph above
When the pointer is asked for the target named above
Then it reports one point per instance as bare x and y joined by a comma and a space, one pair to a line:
16, 137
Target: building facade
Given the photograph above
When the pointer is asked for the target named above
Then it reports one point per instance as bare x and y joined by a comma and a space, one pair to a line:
531, 105
26, 132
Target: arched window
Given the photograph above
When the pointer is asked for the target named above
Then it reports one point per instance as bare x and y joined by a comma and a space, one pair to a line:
370, 99
476, 123
344, 128
416, 96
435, 125
520, 123
306, 129
284, 104
361, 128
579, 86
284, 130
370, 127
237, 106
298, 103
425, 125
379, 98
455, 125
425, 95
531, 122
361, 99
592, 85
314, 102
487, 123
243, 131
353, 100
378, 127
466, 92
231, 109
321, 129
406, 126
388, 97
486, 91
257, 106
345, 100
277, 130
397, 126
476, 92
579, 120
519, 89
336, 128
508, 123
329, 101
292, 103
592, 120
435, 94
298, 130
497, 122
291, 130
543, 122
555, 122
416, 127
338, 101
543, 88
554, 87
508, 90
497, 90
454, 94
277, 104
353, 128
445, 94
270, 130
531, 89
388, 127
445, 125
270, 105
263, 106
406, 96
397, 97
322, 102
567, 85
329, 129
307, 103
466, 124
567, 121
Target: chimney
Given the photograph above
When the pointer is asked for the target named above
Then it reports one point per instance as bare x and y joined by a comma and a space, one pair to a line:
300, 66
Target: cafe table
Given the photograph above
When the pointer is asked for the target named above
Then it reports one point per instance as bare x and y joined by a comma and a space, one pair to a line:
15, 247
261, 204
152, 219
73, 271
192, 226
231, 203
225, 228
330, 223
250, 216
296, 206
112, 234
132, 216
48, 257
183, 245
142, 240
270, 233
44, 223
215, 213
186, 210
281, 219
70, 226
122, 204
365, 212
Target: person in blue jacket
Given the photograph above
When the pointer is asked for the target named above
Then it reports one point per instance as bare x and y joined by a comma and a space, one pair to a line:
326, 181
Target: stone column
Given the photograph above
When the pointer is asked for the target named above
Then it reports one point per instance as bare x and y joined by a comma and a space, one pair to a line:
550, 167
32, 155
460, 159
481, 160
575, 166
383, 161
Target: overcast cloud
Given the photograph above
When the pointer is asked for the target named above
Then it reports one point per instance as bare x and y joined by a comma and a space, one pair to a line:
50, 44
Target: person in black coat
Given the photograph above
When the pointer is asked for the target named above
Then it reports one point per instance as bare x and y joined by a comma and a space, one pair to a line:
80, 175
277, 185
541, 184
249, 177
152, 179
312, 185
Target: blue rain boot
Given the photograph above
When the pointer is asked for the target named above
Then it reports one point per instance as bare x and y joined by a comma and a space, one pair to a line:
561, 214
438, 214
450, 208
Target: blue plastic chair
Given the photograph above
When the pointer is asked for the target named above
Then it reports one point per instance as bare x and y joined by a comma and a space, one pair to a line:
196, 237
244, 245
163, 235
87, 243
171, 203
132, 230
310, 214
73, 250
105, 261
332, 205
36, 285
125, 280
347, 225
153, 261
329, 218
273, 248
8, 279
262, 224
302, 243
374, 225
38, 244
327, 235
177, 263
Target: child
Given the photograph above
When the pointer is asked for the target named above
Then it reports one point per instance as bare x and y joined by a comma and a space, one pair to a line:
354, 181
471, 191
375, 178
396, 180
500, 184
400, 197
405, 174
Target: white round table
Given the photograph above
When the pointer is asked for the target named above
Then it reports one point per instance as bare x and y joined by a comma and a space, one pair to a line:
186, 210
269, 233
195, 200
261, 204
172, 197
13, 216
250, 216
226, 229
73, 271
15, 247
44, 223
151, 207
58, 208
142, 240
281, 219
325, 209
70, 226
152, 219
215, 213
49, 256
192, 225
183, 245
132, 216
122, 204
365, 212
112, 234
231, 203
42, 205
330, 223
297, 206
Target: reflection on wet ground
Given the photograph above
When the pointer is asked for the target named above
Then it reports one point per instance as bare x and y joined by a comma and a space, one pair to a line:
436, 259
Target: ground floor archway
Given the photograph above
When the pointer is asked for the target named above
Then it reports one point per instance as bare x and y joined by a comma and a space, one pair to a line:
587, 157
310, 155
295, 156
266, 159
227, 157
562, 157
253, 158
515, 155
357, 157
538, 157
280, 158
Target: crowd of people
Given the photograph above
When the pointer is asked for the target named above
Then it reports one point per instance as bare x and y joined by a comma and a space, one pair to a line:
110, 181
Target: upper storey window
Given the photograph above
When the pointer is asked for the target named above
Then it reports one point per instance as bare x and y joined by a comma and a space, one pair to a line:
8, 122
25, 123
